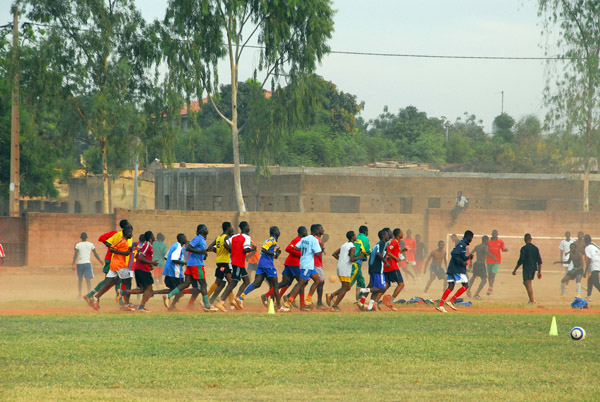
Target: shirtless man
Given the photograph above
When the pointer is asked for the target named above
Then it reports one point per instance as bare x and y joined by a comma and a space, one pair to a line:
481, 251
438, 261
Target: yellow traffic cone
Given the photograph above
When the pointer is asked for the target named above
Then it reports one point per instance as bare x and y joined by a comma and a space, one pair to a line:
553, 328
271, 306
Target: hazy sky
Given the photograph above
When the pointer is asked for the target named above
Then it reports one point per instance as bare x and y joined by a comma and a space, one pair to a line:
438, 87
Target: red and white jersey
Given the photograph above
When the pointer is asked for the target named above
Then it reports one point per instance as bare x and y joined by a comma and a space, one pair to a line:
2, 255
239, 244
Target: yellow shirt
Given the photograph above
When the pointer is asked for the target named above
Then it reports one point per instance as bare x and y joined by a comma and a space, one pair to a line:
115, 239
223, 255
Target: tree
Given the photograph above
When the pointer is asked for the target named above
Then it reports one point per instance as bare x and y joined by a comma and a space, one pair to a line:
502, 126
292, 35
100, 49
573, 96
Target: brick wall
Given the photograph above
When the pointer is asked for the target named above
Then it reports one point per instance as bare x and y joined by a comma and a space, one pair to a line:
170, 223
539, 224
51, 238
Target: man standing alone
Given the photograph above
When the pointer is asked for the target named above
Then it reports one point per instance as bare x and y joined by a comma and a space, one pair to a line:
531, 261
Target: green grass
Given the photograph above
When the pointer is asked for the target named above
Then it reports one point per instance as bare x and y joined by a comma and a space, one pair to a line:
349, 356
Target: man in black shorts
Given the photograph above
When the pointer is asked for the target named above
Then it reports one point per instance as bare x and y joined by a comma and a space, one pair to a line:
144, 264
574, 269
481, 251
223, 270
438, 261
532, 261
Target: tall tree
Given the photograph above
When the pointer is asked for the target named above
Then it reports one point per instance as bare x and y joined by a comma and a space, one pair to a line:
292, 35
100, 48
573, 95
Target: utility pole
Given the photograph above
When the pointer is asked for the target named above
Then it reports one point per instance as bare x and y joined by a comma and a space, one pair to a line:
13, 204
502, 106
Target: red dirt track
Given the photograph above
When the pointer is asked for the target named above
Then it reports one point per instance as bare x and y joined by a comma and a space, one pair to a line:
52, 291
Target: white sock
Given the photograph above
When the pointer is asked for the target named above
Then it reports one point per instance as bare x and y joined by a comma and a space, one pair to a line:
365, 290
579, 288
371, 304
563, 287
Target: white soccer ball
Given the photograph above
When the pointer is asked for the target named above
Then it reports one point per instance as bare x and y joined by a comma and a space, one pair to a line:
577, 333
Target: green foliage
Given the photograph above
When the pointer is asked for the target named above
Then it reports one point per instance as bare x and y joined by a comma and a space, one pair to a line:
572, 92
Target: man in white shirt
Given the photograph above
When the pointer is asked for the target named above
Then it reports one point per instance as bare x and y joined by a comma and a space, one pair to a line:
83, 253
346, 257
592, 252
461, 204
565, 247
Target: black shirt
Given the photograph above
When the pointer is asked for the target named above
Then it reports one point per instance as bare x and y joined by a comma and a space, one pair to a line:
530, 257
375, 263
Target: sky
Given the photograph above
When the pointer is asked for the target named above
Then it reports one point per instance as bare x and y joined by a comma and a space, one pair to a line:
439, 87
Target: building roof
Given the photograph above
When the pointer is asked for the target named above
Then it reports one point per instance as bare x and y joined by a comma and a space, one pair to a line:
195, 105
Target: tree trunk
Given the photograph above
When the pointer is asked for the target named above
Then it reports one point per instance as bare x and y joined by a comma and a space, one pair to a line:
237, 180
106, 197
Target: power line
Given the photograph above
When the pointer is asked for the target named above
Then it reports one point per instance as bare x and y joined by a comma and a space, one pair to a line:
356, 53
433, 56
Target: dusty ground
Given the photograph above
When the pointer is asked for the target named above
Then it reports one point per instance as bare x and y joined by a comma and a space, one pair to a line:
54, 290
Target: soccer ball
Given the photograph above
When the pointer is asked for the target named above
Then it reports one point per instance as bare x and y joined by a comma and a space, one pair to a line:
577, 334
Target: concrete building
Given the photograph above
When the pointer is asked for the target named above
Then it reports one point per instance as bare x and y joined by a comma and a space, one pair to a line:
372, 190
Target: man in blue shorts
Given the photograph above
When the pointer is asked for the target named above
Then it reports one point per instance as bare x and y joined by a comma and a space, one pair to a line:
308, 247
457, 272
83, 252
377, 263
266, 267
291, 269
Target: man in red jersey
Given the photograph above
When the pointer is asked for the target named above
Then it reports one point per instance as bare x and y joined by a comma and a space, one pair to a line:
495, 247
291, 269
392, 271
411, 248
239, 245
144, 264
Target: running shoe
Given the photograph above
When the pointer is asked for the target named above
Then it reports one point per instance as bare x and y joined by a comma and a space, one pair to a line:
451, 305
221, 306
88, 300
96, 303
143, 310
284, 309
239, 303
334, 309
264, 300
441, 309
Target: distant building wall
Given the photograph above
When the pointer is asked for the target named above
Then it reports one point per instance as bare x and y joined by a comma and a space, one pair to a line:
86, 194
365, 190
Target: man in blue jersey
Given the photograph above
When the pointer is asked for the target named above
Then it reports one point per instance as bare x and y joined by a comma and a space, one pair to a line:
194, 271
266, 266
457, 272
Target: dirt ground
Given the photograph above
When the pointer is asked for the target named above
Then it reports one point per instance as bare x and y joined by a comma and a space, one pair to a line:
28, 290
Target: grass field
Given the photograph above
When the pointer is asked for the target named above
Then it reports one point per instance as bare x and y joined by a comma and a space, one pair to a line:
350, 356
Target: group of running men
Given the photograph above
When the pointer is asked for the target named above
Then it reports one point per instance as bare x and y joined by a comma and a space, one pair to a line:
184, 268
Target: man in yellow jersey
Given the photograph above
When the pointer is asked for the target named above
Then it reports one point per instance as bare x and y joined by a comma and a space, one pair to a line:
223, 271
